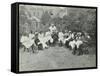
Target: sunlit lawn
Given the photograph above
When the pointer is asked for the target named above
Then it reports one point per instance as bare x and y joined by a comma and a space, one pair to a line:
54, 58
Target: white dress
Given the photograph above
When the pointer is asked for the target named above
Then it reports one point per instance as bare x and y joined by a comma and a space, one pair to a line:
48, 37
27, 41
42, 39
31, 36
61, 36
53, 29
67, 39
78, 43
41, 36
72, 44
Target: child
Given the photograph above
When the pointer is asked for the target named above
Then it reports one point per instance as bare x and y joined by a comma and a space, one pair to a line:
61, 38
25, 41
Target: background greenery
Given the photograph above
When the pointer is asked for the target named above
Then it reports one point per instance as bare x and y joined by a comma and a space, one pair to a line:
71, 18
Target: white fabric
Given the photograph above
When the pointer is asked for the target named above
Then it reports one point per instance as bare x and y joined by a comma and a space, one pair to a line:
61, 36
41, 36
52, 29
26, 41
43, 40
72, 35
31, 36
69, 37
66, 34
78, 43
48, 36
72, 44
51, 40
66, 39
88, 37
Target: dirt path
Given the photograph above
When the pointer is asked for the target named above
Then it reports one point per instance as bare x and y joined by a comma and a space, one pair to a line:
54, 58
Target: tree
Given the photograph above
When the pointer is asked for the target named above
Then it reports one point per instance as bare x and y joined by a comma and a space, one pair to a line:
45, 18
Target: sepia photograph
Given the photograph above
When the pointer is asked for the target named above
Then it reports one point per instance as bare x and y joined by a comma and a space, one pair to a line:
57, 37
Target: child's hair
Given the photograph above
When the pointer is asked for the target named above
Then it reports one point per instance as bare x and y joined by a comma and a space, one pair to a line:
48, 29
31, 31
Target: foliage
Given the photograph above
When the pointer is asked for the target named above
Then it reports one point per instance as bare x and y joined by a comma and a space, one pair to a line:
45, 18
77, 19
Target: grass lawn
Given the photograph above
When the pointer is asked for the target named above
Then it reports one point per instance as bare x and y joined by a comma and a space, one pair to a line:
54, 58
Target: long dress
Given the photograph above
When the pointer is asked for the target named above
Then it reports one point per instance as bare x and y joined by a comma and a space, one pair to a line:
42, 40
52, 29
48, 37
27, 41
61, 36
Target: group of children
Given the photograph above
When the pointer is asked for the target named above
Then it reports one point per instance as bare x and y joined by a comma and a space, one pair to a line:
43, 40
